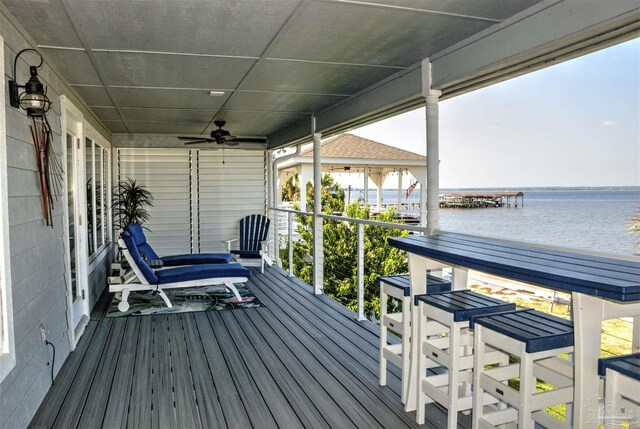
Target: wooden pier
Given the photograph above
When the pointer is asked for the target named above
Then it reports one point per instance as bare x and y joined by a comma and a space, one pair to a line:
468, 200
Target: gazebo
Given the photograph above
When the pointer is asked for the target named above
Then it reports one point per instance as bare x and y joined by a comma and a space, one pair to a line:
351, 154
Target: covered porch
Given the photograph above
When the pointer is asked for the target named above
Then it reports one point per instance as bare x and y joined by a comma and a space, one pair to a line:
126, 80
301, 361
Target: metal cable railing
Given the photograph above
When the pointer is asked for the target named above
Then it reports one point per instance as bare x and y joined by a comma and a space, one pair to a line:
621, 342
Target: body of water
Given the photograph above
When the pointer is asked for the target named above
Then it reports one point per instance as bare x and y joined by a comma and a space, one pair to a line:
586, 218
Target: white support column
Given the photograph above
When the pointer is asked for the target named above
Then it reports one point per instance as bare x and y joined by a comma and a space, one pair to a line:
378, 180
433, 160
366, 185
420, 174
280, 181
423, 199
305, 174
399, 190
318, 247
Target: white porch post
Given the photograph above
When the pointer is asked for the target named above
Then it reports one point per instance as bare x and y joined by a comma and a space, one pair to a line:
278, 188
420, 174
423, 203
399, 190
433, 160
318, 254
305, 174
378, 180
366, 185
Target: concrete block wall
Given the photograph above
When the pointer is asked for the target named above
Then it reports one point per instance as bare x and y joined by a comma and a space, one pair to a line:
38, 281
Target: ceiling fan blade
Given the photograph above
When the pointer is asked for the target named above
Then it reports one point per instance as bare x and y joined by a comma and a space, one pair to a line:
250, 140
199, 141
193, 138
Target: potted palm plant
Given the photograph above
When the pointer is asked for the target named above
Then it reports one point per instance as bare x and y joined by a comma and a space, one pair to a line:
130, 203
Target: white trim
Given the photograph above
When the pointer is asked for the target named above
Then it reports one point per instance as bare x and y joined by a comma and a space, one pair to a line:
104, 144
72, 122
7, 341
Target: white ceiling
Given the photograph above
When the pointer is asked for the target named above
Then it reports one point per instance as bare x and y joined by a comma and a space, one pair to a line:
146, 66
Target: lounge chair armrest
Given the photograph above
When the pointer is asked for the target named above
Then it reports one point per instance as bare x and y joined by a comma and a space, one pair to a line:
229, 243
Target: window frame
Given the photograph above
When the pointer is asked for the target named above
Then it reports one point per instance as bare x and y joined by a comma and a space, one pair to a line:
7, 341
101, 147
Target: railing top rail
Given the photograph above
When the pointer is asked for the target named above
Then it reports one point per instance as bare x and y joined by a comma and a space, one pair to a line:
354, 220
374, 223
298, 212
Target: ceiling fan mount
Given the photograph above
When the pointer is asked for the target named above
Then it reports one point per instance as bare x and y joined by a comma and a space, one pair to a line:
222, 136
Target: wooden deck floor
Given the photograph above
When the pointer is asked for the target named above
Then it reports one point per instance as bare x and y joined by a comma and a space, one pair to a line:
301, 361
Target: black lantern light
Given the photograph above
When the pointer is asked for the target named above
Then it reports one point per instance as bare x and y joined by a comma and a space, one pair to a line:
34, 97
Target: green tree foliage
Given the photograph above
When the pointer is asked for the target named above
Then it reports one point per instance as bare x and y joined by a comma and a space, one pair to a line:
291, 189
340, 244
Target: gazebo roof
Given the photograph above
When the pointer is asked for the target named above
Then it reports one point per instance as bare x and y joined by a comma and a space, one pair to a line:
348, 152
356, 147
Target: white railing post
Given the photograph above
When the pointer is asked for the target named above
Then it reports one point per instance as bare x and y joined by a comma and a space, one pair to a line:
290, 234
361, 272
318, 247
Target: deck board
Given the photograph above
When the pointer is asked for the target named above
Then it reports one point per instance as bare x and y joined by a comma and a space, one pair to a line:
140, 406
93, 415
186, 401
120, 397
347, 364
209, 407
301, 361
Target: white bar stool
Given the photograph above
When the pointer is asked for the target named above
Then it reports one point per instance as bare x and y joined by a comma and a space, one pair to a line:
451, 348
622, 390
399, 287
535, 339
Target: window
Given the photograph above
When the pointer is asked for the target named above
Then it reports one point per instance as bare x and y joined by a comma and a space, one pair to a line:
96, 175
7, 354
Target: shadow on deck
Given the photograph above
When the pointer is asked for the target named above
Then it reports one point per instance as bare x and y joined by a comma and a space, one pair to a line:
301, 361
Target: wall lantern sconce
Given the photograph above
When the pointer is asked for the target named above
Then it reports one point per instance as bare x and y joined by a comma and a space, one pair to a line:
34, 97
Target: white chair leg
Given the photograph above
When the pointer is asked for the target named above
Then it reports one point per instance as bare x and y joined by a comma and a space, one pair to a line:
164, 297
478, 368
383, 340
527, 386
611, 400
453, 370
233, 289
407, 307
123, 305
421, 399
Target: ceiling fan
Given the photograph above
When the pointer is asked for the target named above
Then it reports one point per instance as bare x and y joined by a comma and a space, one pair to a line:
223, 137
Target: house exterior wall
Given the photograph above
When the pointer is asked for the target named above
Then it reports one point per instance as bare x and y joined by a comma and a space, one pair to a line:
38, 284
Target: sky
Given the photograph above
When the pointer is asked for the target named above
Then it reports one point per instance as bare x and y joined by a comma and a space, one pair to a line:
576, 123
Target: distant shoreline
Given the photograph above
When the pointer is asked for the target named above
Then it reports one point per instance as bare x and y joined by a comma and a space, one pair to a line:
530, 188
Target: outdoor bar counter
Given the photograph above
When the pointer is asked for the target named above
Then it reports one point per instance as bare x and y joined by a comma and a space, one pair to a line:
602, 288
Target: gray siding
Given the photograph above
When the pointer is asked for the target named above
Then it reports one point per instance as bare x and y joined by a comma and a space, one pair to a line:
38, 277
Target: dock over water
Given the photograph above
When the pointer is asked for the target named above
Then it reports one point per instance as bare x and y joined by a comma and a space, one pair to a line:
470, 200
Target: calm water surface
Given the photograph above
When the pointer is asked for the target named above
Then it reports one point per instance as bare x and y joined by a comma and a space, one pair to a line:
593, 219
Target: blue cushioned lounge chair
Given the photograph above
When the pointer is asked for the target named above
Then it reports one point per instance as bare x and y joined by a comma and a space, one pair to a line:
170, 278
253, 240
147, 252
